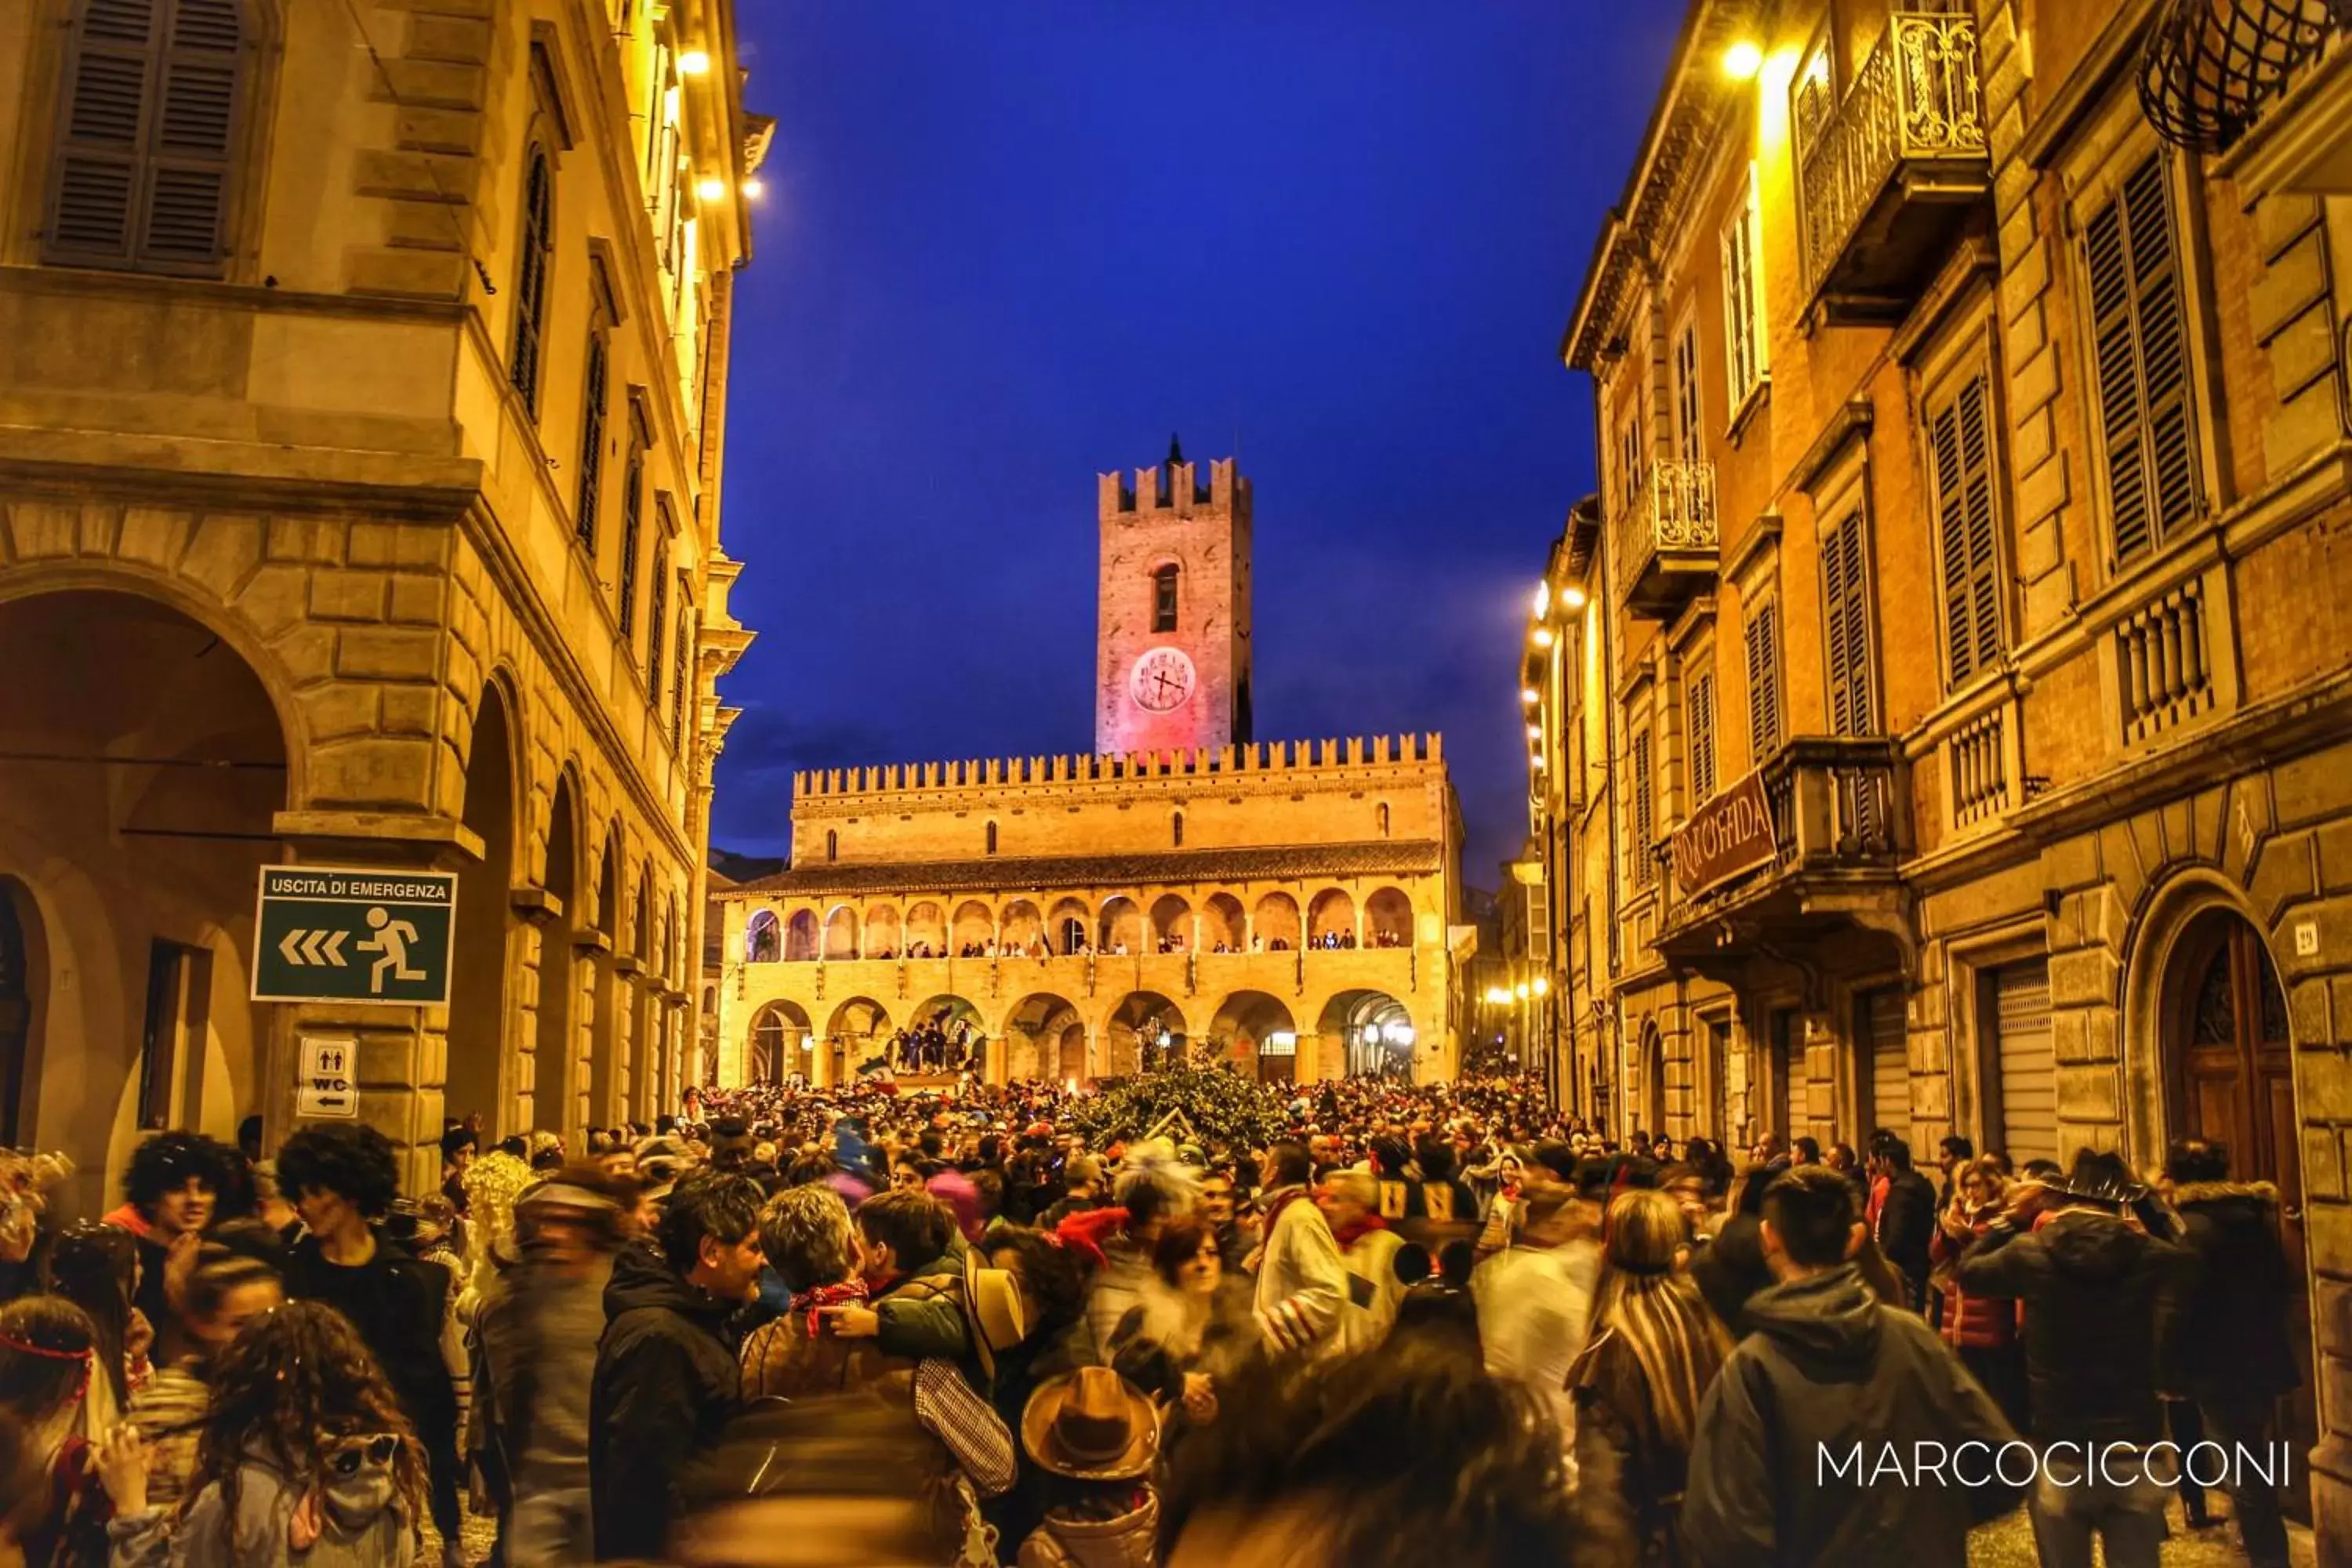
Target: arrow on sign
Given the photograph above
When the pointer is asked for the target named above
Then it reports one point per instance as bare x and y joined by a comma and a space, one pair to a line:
313, 947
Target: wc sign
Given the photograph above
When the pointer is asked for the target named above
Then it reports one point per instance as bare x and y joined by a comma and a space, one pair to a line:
347, 934
329, 1086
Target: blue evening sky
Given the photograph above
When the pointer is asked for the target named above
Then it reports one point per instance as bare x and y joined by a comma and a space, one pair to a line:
1006, 246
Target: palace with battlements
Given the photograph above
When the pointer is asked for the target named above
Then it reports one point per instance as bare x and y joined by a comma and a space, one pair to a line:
1184, 893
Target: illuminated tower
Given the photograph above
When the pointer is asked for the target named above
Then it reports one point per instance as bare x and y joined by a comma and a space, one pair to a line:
1173, 661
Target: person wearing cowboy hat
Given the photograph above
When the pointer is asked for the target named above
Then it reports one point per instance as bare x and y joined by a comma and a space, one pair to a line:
1096, 1438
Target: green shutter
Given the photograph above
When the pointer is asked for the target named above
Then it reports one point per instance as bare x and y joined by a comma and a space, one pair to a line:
1960, 437
1763, 683
1701, 705
1845, 615
2139, 343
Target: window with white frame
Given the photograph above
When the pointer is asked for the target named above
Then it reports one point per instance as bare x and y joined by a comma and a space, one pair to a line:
1744, 363
1689, 446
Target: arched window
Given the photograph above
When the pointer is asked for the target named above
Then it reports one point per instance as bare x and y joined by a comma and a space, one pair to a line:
1163, 599
831, 844
762, 942
592, 438
632, 518
992, 837
530, 278
144, 145
1384, 819
1176, 829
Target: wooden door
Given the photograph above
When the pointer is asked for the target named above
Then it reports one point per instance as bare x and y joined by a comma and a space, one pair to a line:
2233, 1083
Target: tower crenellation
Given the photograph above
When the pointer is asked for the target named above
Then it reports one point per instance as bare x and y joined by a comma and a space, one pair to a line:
1174, 662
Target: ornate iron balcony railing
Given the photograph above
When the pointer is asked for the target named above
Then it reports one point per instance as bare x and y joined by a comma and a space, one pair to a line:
1673, 513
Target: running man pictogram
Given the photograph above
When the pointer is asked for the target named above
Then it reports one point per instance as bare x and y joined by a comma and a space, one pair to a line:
391, 938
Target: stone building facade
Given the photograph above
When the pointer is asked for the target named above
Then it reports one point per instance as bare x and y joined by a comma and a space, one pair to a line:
1173, 643
1941, 716
362, 371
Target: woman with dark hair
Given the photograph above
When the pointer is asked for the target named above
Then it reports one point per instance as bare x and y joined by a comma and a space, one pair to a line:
95, 1267
230, 1288
305, 1458
173, 1191
1183, 1338
48, 1354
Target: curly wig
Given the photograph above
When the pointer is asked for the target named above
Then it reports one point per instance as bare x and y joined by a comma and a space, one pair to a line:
353, 1161
169, 1161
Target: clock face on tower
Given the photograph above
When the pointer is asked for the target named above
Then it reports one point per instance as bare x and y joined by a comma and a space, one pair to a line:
1162, 681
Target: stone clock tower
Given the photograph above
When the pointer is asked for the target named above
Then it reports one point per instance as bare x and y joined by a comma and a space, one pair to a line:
1173, 657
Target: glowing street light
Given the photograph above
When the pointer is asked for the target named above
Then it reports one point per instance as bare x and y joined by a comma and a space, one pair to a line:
712, 190
1542, 985
1542, 637
754, 189
694, 62
1572, 598
1530, 696
1743, 59
1543, 600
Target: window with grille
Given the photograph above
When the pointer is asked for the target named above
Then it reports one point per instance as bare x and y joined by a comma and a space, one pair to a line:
1644, 812
633, 517
1960, 437
657, 605
1699, 701
143, 161
530, 278
1688, 443
1629, 460
1743, 297
592, 438
1163, 599
681, 660
2140, 354
1845, 621
1762, 636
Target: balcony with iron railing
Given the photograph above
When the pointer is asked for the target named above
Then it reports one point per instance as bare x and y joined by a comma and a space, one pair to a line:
1669, 540
1829, 882
1888, 175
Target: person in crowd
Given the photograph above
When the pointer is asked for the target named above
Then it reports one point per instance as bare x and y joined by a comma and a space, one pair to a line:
1953, 1156
1153, 1188
534, 1339
171, 1194
1081, 1189
1368, 1247
228, 1289
1301, 1282
1981, 1330
2222, 1331
914, 1269
344, 1179
1653, 1351
1535, 1301
306, 1457
806, 1236
459, 1146
1731, 1269
1096, 1438
1902, 1214
48, 1364
666, 1382
2092, 1279
95, 1267
1830, 1369
270, 1205
1188, 1333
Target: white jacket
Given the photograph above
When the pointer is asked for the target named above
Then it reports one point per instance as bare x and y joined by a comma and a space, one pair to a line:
1535, 1307
1301, 1283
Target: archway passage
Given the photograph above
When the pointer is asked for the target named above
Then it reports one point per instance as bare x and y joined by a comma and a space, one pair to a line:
1146, 1033
801, 937
780, 1040
859, 1030
1388, 919
1374, 1029
552, 1077
1331, 919
477, 996
1222, 925
1122, 926
2229, 1063
1024, 929
142, 766
762, 936
1035, 1032
926, 931
1069, 930
975, 929
1171, 923
884, 938
841, 934
1263, 1036
1273, 925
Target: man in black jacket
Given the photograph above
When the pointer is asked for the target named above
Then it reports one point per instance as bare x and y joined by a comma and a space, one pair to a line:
1902, 1216
2090, 1276
1798, 1429
2222, 1332
665, 1383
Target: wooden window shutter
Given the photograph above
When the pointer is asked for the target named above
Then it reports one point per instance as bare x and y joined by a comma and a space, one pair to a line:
681, 661
1845, 614
1701, 704
592, 440
633, 510
656, 615
531, 278
2140, 362
1763, 683
1960, 437
1645, 810
144, 152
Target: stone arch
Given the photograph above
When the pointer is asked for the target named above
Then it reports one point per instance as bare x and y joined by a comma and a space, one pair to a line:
763, 936
552, 1077
1224, 927
1070, 928
1331, 919
1172, 922
1372, 1032
884, 934
927, 929
1651, 1086
1119, 926
801, 937
974, 928
841, 933
780, 1036
1388, 919
24, 986
1023, 927
859, 1029
1274, 924
1036, 1036
1144, 1033
1255, 1031
478, 1044
608, 1017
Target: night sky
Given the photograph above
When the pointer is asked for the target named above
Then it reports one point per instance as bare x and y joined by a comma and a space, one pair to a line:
1004, 247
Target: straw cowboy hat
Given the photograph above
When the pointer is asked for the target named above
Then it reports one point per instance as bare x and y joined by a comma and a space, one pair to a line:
1090, 1425
992, 1298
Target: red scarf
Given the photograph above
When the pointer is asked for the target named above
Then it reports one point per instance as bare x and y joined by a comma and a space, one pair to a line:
1348, 1235
811, 1302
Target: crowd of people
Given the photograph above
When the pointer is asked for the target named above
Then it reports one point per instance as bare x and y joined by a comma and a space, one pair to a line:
862, 1325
